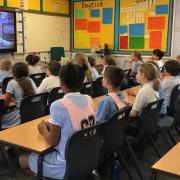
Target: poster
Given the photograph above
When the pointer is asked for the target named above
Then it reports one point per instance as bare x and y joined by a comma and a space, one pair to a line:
92, 21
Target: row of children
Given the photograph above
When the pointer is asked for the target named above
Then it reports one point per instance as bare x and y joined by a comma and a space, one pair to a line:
66, 114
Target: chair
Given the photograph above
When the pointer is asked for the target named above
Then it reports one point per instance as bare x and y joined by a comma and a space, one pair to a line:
2, 102
82, 154
98, 89
33, 107
55, 94
37, 78
87, 89
5, 83
148, 126
114, 134
57, 53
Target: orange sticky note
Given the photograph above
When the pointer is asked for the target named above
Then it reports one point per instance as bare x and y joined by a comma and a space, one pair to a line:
94, 26
155, 40
80, 24
156, 23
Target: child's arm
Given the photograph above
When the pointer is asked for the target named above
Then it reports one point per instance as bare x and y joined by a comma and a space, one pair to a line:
7, 98
50, 132
134, 113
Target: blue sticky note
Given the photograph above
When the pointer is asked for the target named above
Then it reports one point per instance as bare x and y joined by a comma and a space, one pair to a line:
162, 9
95, 13
107, 15
136, 30
122, 29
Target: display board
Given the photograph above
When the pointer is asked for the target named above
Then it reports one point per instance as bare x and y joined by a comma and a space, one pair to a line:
34, 5
141, 25
92, 21
56, 6
60, 7
45, 31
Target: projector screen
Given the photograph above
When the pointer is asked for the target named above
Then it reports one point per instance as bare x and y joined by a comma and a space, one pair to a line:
8, 31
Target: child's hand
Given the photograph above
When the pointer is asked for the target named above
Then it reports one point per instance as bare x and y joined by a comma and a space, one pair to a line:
131, 92
41, 127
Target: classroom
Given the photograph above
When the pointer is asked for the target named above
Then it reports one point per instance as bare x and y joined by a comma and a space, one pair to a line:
90, 89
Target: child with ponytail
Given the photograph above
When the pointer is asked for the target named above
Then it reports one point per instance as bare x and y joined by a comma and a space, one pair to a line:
148, 77
18, 88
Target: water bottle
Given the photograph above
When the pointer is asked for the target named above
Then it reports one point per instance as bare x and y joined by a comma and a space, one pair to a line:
116, 171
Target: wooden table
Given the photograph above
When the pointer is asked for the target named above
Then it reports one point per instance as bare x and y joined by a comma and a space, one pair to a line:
26, 136
130, 98
169, 164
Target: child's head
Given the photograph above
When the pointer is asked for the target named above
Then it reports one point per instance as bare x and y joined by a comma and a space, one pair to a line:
71, 77
147, 72
113, 77
178, 58
91, 61
108, 60
32, 59
157, 54
82, 60
53, 68
5, 65
136, 56
154, 63
21, 72
171, 68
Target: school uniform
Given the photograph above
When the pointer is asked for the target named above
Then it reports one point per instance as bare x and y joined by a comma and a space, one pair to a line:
160, 63
34, 69
168, 85
66, 113
13, 118
48, 84
145, 95
95, 74
108, 106
136, 66
4, 74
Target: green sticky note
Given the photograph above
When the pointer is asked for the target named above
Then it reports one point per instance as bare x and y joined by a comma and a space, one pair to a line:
136, 42
79, 13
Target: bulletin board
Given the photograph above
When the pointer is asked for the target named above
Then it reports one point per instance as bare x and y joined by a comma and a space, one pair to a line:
141, 25
145, 26
56, 6
1, 2
34, 5
92, 21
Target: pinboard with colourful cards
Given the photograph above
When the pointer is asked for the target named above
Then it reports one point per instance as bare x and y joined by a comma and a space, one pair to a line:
125, 25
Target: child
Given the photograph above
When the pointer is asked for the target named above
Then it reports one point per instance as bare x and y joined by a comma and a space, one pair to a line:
32, 61
115, 100
108, 60
82, 60
17, 88
171, 72
52, 80
66, 117
149, 79
5, 69
136, 59
157, 56
164, 119
92, 62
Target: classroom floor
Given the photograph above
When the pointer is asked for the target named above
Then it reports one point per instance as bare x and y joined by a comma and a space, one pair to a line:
148, 159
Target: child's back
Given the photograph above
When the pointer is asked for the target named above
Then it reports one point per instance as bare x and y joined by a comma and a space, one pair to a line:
67, 116
115, 100
16, 90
